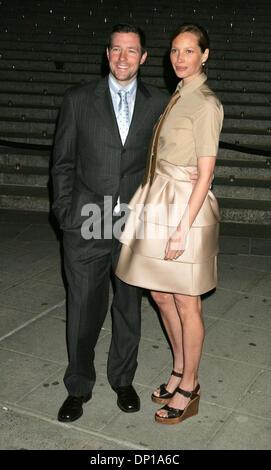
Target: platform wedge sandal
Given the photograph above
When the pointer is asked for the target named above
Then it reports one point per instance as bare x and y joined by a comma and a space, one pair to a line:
174, 415
165, 396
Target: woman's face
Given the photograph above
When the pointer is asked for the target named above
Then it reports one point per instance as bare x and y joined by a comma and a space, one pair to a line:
186, 56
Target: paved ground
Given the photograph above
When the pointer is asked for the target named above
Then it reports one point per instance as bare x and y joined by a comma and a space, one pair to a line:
235, 370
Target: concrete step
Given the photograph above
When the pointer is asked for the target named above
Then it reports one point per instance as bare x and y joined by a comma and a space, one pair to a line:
256, 231
18, 105
229, 162
78, 26
216, 16
22, 125
245, 157
260, 170
28, 112
242, 188
246, 110
258, 69
21, 158
262, 124
245, 97
51, 66
45, 137
157, 33
237, 131
232, 210
9, 90
42, 138
239, 64
45, 128
69, 78
45, 7
33, 97
24, 198
40, 58
75, 72
235, 96
24, 176
239, 84
34, 84
244, 211
238, 187
248, 137
49, 61
25, 51
46, 94
236, 230
91, 48
48, 114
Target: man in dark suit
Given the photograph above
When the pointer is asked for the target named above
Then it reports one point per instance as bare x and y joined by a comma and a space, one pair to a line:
92, 159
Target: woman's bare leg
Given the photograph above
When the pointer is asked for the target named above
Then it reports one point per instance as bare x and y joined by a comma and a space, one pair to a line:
189, 310
172, 323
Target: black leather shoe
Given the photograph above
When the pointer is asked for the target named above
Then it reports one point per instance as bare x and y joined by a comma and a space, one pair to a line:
128, 399
72, 408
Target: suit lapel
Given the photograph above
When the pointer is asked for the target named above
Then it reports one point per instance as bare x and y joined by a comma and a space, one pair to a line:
141, 110
104, 107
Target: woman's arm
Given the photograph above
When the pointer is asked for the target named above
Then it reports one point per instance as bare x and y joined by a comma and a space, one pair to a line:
206, 167
207, 124
176, 244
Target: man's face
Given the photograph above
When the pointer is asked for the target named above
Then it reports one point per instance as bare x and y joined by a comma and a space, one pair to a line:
125, 57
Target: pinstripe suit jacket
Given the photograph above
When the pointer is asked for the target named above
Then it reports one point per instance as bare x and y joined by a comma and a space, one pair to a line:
89, 160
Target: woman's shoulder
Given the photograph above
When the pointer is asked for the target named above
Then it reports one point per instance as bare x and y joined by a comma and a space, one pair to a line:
208, 98
208, 106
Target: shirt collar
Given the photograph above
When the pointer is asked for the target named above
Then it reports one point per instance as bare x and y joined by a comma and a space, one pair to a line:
116, 87
191, 86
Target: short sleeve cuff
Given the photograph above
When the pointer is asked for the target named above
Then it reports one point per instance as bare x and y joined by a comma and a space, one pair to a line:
206, 151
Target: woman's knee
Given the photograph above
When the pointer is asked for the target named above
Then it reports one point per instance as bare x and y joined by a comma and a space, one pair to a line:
161, 297
188, 305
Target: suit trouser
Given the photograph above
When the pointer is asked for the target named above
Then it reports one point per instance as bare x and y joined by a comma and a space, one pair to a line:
88, 297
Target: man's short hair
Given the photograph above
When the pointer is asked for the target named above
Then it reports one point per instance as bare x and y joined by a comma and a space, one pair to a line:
128, 28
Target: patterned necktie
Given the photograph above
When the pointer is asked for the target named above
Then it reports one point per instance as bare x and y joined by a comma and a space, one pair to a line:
123, 119
151, 162
123, 115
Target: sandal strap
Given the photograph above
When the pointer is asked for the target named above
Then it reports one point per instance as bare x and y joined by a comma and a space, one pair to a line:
177, 374
188, 394
172, 412
163, 392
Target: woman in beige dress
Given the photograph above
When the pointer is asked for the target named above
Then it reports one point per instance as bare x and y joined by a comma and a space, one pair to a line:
170, 241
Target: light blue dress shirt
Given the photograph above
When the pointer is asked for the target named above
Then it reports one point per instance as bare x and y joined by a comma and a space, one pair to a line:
114, 88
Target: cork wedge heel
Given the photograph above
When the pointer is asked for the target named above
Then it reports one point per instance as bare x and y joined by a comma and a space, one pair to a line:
175, 415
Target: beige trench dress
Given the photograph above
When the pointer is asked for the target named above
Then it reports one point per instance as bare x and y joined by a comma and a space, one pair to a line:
190, 131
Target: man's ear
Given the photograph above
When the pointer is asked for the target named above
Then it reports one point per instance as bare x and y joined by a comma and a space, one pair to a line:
143, 57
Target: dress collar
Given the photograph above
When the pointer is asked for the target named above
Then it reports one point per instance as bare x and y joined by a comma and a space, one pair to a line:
191, 86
